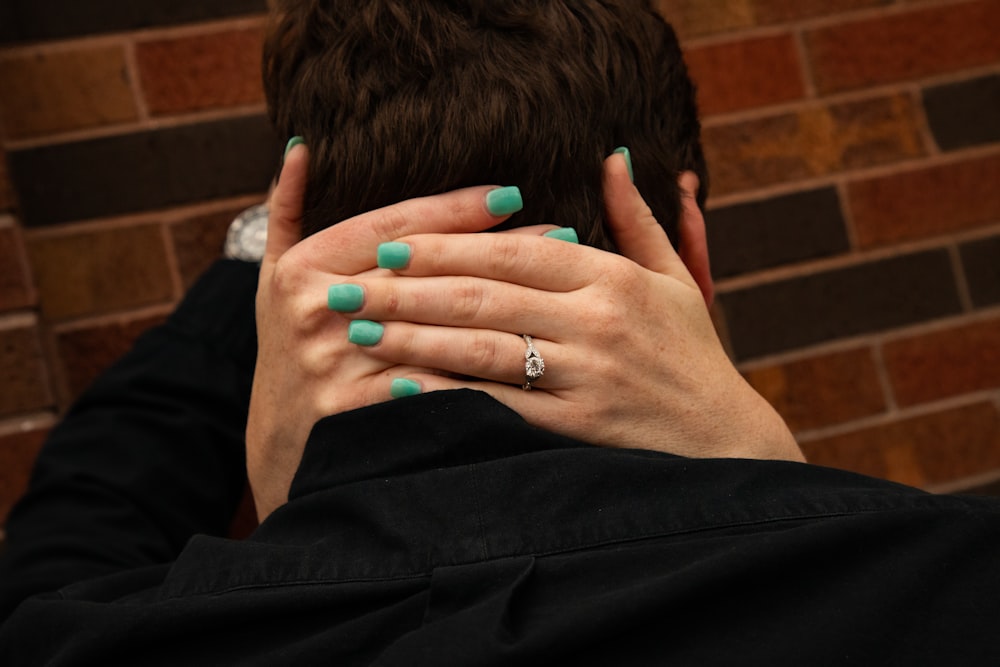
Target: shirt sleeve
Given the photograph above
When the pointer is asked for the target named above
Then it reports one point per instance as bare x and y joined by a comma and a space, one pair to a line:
151, 453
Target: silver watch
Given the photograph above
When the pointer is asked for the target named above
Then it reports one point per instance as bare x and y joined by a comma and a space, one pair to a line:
247, 235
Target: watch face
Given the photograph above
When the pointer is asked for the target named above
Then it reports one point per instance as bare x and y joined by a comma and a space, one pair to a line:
247, 235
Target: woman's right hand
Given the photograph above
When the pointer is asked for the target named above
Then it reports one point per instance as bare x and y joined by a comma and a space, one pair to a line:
306, 367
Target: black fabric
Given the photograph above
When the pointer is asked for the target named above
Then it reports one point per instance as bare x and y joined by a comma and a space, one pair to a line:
444, 530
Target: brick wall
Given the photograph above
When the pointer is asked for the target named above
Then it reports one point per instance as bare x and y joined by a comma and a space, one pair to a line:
854, 222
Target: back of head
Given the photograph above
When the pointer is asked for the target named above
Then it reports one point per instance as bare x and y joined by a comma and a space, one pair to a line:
405, 98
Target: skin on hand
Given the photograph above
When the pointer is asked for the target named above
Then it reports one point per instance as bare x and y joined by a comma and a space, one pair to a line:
306, 367
632, 358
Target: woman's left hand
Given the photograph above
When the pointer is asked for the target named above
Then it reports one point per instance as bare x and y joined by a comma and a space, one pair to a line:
631, 355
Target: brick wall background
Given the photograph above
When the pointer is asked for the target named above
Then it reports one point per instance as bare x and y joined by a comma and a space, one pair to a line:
854, 222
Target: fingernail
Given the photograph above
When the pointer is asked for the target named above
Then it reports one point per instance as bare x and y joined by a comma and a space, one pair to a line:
401, 388
393, 255
292, 143
345, 298
504, 201
365, 332
628, 161
563, 234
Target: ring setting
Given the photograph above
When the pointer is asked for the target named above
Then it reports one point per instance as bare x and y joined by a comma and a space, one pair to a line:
534, 365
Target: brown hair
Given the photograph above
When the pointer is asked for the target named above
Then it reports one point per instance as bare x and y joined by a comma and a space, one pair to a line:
404, 98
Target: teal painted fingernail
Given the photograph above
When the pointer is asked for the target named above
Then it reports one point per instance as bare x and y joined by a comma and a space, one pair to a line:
292, 143
345, 298
402, 388
504, 201
628, 161
563, 234
393, 255
365, 332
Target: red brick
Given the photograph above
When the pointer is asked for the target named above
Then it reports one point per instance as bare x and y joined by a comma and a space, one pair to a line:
86, 353
813, 142
746, 74
18, 452
921, 451
23, 379
927, 202
15, 290
777, 11
98, 272
199, 241
202, 72
57, 92
898, 47
697, 17
945, 363
822, 390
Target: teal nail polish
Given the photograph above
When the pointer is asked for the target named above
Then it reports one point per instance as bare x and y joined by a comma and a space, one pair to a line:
393, 255
365, 332
402, 388
345, 298
292, 143
628, 161
504, 201
563, 234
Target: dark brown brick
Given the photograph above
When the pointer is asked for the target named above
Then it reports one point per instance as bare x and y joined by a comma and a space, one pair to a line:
145, 170
23, 378
18, 452
66, 90
966, 113
98, 272
875, 296
7, 200
746, 74
921, 451
981, 260
198, 242
201, 72
86, 353
15, 290
776, 231
23, 20
897, 47
822, 390
937, 365
927, 202
813, 142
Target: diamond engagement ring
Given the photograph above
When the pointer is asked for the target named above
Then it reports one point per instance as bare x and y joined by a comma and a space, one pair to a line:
534, 366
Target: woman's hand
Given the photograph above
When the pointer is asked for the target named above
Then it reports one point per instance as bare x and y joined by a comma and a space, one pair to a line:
631, 356
306, 367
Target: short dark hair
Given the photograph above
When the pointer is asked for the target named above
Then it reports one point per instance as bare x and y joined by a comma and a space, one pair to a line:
405, 98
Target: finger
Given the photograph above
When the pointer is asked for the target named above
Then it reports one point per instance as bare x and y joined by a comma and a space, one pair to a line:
531, 261
694, 240
454, 301
349, 247
636, 231
284, 223
478, 353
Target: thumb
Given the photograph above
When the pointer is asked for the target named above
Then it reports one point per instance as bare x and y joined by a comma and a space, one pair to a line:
284, 224
636, 232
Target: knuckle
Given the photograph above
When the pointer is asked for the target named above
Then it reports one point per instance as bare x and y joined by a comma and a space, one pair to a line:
506, 255
390, 223
467, 300
482, 352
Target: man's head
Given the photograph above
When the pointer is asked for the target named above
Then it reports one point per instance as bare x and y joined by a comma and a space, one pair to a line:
404, 98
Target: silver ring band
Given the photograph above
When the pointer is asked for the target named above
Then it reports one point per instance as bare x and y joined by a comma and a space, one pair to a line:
534, 365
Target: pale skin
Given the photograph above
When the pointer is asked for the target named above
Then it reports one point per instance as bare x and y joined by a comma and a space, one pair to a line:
632, 359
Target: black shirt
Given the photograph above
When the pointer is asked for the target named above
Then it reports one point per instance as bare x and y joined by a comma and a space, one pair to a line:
444, 530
